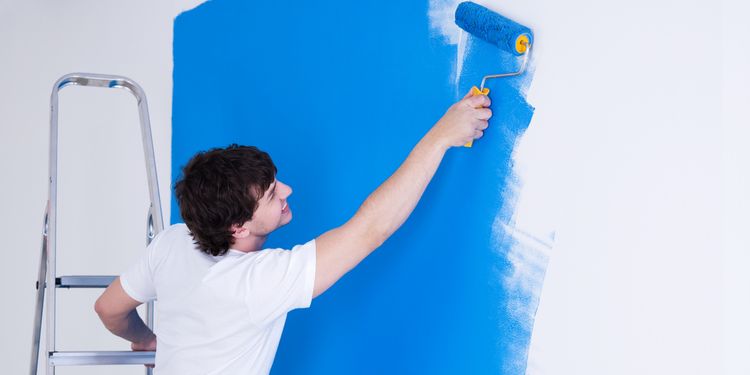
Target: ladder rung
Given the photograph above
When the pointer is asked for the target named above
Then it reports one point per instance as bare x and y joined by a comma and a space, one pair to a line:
99, 358
84, 281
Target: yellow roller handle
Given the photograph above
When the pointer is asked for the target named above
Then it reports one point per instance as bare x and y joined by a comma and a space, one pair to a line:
474, 92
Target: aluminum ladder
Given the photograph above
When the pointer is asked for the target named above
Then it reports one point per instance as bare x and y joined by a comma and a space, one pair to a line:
48, 281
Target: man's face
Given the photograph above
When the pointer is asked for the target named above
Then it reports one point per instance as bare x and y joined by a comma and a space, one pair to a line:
273, 210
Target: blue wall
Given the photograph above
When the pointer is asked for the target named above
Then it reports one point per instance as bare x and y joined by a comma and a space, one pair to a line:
338, 92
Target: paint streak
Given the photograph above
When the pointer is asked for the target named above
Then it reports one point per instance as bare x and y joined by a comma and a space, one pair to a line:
338, 97
441, 14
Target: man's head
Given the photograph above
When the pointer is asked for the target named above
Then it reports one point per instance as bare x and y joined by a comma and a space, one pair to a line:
228, 194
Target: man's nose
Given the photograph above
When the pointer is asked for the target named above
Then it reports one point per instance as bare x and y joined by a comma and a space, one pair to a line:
286, 190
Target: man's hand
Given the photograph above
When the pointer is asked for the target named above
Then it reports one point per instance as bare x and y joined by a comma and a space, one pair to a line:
464, 121
147, 346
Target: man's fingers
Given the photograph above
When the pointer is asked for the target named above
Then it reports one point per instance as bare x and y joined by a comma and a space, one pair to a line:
484, 113
483, 125
478, 134
479, 101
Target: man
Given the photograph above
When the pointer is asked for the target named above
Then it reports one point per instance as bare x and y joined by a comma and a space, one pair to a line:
223, 300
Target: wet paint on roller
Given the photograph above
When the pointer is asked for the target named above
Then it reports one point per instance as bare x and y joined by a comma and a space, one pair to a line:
338, 92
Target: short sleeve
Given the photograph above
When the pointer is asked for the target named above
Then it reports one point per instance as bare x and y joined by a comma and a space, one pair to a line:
281, 281
138, 280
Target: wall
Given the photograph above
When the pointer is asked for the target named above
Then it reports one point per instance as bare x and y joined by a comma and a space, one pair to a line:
640, 133
636, 154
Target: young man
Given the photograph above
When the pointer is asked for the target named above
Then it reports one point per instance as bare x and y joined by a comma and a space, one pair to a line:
223, 300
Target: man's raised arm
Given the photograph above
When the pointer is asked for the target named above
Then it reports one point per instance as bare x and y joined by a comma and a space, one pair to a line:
341, 249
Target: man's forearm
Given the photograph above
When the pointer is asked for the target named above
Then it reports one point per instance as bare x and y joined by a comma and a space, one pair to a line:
130, 327
386, 209
341, 249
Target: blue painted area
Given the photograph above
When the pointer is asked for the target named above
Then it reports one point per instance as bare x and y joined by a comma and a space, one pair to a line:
338, 92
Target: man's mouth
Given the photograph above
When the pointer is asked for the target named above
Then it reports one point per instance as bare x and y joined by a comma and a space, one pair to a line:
284, 208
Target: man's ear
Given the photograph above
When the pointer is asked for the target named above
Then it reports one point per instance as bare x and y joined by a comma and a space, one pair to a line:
240, 231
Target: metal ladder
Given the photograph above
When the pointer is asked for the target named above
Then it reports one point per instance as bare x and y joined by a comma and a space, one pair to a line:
48, 280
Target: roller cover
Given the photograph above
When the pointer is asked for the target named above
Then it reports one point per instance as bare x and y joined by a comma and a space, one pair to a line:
490, 26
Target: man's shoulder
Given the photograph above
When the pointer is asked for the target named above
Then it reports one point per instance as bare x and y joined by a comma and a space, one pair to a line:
175, 235
282, 255
174, 231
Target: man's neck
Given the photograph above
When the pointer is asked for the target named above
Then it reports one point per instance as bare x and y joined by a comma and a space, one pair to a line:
249, 244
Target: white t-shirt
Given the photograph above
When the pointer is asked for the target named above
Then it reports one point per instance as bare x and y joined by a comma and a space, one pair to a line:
219, 314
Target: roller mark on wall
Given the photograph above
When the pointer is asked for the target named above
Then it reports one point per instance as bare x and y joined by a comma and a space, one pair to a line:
441, 14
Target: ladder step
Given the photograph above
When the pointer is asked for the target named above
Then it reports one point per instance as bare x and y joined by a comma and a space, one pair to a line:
84, 281
99, 358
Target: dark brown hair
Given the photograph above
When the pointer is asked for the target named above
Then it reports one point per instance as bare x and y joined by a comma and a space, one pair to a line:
221, 187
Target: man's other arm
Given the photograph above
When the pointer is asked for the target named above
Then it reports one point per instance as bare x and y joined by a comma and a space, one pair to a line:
117, 310
385, 210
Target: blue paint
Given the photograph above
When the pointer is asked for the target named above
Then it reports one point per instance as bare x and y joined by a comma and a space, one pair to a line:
338, 92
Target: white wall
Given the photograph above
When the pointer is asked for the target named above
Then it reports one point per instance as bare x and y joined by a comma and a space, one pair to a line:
735, 277
636, 154
102, 182
638, 149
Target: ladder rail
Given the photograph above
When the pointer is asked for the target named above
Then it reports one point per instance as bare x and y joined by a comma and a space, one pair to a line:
155, 220
38, 310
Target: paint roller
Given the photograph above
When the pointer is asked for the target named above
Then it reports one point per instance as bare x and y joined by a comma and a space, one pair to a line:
493, 28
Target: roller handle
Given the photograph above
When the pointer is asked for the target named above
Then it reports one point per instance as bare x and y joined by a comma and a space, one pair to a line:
474, 92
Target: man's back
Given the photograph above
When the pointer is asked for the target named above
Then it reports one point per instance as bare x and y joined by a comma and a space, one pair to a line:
219, 314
